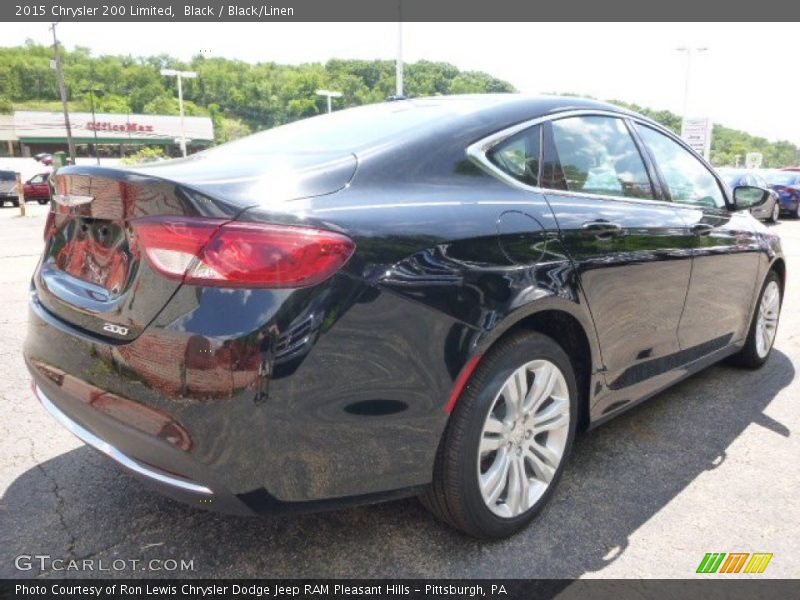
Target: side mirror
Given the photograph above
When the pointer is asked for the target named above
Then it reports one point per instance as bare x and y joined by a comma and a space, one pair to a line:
748, 196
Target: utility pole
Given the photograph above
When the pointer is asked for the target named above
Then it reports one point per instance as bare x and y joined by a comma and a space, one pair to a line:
94, 92
62, 88
180, 75
687, 75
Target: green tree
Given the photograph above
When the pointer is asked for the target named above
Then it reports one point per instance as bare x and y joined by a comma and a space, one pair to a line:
241, 97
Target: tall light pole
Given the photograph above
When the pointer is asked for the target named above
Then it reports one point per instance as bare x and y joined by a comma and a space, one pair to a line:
94, 92
329, 94
63, 91
687, 75
180, 75
398, 68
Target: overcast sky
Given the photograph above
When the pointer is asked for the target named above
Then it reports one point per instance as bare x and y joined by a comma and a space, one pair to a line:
747, 79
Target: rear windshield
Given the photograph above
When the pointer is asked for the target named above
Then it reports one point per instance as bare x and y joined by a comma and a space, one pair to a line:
8, 176
781, 178
345, 130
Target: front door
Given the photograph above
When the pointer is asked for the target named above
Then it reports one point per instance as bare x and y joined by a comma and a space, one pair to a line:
630, 247
726, 249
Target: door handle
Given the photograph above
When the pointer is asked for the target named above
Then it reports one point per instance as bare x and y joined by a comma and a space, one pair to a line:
602, 229
702, 229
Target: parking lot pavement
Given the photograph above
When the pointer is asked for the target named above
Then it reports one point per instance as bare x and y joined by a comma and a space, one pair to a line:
709, 466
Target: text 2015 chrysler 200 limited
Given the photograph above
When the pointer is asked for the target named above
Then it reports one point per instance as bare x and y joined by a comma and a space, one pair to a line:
421, 297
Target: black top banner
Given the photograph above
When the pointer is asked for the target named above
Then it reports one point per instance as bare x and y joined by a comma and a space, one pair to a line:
395, 10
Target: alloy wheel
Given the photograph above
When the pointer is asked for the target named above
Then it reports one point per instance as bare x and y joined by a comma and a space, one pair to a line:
524, 438
767, 323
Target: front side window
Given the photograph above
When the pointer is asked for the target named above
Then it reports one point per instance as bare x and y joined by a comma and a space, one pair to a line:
518, 156
688, 180
597, 155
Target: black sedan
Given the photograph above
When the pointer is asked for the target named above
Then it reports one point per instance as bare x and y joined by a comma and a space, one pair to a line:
424, 297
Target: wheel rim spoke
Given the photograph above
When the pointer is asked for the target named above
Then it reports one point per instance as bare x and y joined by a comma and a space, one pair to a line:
491, 444
542, 471
553, 416
556, 422
495, 426
493, 482
513, 393
543, 385
514, 495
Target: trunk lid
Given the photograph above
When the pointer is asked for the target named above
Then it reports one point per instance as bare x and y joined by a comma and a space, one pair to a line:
93, 273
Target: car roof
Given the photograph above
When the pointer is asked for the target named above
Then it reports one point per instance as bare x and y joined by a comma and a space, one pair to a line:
373, 125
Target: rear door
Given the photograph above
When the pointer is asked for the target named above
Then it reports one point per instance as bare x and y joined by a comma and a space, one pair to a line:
725, 248
631, 247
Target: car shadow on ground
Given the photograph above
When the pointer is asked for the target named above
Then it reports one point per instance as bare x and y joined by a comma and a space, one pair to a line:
78, 505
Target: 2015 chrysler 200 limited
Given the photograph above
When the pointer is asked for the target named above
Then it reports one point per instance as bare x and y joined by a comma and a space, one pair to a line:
421, 297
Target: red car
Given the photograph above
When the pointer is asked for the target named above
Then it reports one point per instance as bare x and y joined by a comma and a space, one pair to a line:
38, 188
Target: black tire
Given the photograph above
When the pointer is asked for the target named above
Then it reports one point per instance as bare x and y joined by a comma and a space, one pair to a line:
748, 356
454, 496
15, 202
42, 201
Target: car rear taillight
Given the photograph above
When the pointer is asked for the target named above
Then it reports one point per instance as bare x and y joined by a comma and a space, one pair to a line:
236, 254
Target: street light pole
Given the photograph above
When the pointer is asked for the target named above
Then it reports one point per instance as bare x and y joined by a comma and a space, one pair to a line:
398, 85
180, 75
99, 92
329, 94
687, 76
63, 92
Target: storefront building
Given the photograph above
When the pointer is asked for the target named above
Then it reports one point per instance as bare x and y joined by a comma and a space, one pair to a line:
27, 133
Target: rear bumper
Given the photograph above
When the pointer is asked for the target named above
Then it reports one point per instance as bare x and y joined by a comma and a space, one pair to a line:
202, 492
248, 423
125, 446
140, 469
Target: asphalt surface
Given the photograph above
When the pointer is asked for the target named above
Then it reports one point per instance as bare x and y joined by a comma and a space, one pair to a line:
708, 466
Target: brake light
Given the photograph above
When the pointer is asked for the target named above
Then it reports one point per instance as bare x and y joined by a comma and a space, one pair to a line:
236, 254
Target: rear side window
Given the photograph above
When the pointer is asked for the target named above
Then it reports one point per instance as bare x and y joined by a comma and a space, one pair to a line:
597, 155
688, 180
519, 156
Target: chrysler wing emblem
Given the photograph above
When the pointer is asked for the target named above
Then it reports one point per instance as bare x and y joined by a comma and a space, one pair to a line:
70, 200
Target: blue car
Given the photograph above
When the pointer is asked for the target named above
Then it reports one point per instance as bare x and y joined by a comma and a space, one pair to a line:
787, 185
768, 211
